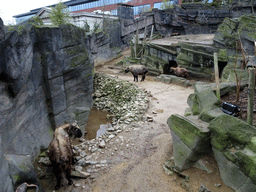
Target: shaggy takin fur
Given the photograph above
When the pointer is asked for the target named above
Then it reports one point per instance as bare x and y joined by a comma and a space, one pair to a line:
180, 72
60, 151
137, 70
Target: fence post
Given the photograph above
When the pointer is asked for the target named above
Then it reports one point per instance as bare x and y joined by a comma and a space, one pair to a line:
217, 80
152, 30
136, 40
251, 90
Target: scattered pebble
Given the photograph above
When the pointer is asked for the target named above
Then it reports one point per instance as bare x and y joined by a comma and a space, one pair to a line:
217, 184
77, 185
102, 144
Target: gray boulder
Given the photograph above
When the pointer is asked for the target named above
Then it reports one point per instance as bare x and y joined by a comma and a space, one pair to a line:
21, 169
191, 140
234, 147
2, 35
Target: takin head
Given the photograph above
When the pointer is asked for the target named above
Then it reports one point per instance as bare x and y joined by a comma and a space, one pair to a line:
74, 131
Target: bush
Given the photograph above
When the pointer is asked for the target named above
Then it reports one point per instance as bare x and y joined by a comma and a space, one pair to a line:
60, 14
86, 26
166, 4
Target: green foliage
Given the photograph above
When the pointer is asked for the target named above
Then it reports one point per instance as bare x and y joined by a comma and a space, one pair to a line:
96, 27
10, 27
60, 14
86, 26
166, 4
36, 21
20, 28
213, 3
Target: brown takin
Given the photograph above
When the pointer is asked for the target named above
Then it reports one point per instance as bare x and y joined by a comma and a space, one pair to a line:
137, 70
60, 151
179, 71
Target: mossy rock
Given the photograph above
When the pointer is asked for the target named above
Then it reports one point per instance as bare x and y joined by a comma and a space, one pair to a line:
224, 87
224, 34
193, 104
184, 59
247, 26
231, 77
209, 105
189, 129
223, 55
252, 144
228, 130
232, 175
234, 65
204, 102
191, 140
247, 162
180, 81
209, 115
188, 112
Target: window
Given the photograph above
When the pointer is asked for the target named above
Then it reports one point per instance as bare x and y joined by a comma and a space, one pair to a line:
138, 9
18, 20
160, 5
114, 12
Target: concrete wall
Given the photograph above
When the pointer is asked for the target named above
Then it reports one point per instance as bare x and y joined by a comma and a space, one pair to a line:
45, 80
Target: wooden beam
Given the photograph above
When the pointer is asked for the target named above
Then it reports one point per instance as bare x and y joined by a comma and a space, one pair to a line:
217, 80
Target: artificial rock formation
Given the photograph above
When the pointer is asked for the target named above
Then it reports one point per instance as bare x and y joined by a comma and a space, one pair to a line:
233, 144
191, 140
231, 139
45, 80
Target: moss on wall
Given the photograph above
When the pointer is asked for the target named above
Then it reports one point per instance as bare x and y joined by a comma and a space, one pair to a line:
223, 55
227, 32
247, 24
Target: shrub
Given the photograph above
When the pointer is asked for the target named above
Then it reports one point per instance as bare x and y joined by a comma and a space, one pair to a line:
60, 14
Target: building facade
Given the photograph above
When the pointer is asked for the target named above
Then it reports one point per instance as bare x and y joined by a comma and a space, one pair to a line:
77, 19
79, 6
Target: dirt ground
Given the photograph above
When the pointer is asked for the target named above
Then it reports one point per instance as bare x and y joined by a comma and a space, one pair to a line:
144, 171
135, 157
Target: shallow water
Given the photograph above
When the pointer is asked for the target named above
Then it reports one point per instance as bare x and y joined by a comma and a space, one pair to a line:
97, 123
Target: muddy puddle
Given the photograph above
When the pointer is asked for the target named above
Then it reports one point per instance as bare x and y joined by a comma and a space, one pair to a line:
98, 123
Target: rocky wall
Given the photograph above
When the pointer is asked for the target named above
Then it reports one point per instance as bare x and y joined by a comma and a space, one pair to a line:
185, 20
45, 80
105, 45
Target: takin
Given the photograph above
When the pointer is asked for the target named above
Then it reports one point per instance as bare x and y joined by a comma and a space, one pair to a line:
60, 151
180, 72
137, 70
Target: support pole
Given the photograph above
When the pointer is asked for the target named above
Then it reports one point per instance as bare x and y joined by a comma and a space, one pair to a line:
217, 79
136, 40
152, 30
145, 31
251, 90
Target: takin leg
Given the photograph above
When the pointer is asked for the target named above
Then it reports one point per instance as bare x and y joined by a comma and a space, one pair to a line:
136, 77
143, 77
68, 174
57, 173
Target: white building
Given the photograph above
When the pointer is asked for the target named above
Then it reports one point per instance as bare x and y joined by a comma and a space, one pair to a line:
77, 19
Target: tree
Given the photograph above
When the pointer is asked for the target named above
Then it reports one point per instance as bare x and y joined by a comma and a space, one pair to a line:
167, 4
60, 14
86, 26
